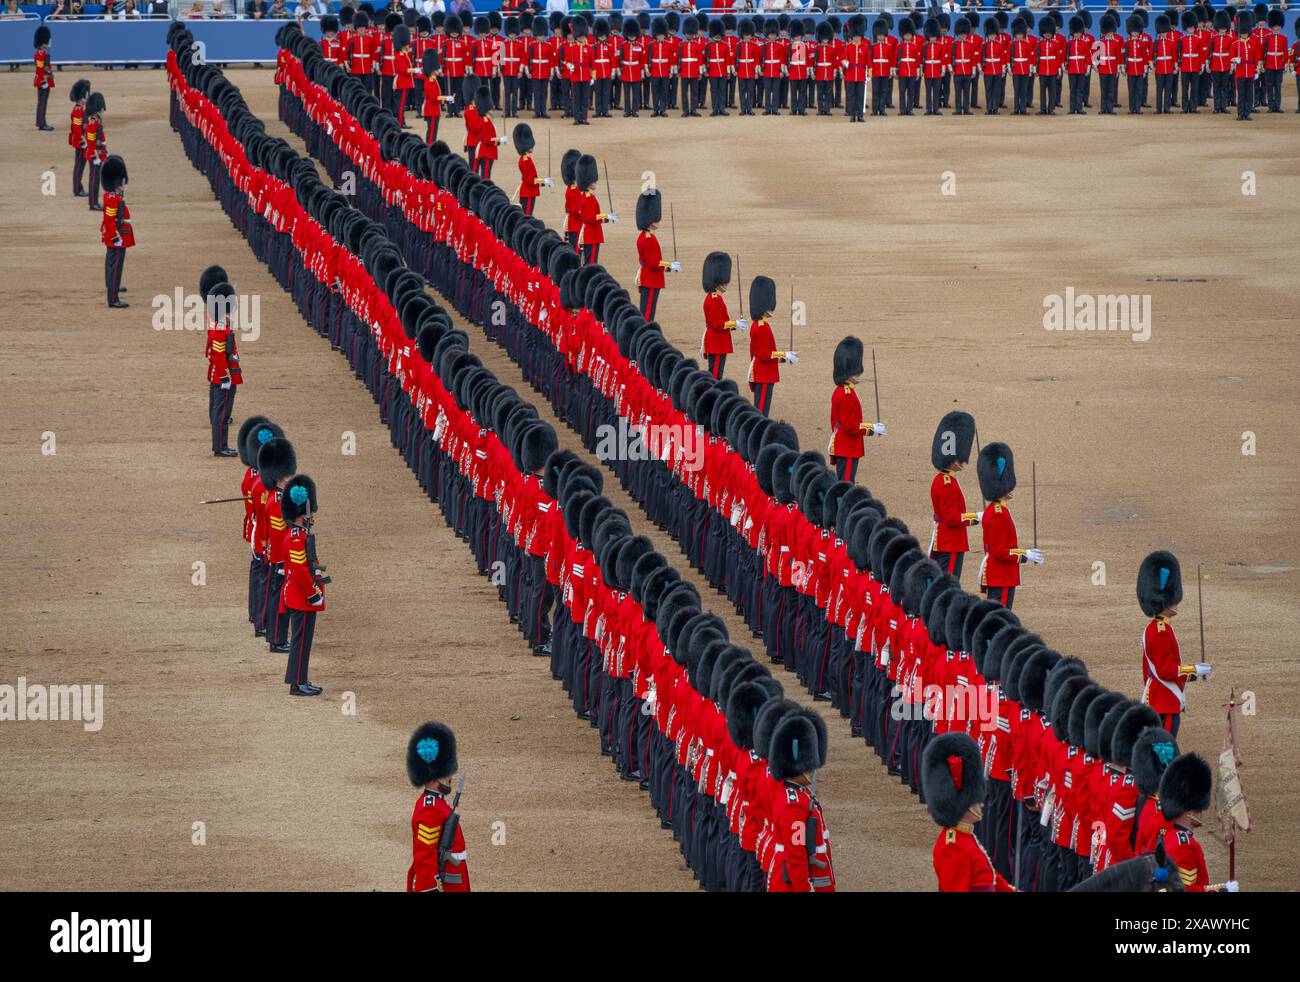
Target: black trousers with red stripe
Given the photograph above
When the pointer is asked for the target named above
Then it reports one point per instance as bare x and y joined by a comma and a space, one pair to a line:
114, 260
649, 300
302, 628
221, 406
78, 172
717, 365
950, 561
528, 204
846, 468
762, 396
1004, 595
431, 131
274, 623
483, 167
591, 253
1171, 722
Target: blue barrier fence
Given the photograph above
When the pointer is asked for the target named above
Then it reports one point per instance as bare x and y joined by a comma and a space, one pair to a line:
126, 42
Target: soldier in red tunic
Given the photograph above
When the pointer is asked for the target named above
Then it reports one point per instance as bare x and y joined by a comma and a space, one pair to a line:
591, 218
949, 453
650, 262
95, 145
115, 228
909, 67
1246, 59
44, 79
579, 63
1185, 790
1051, 62
332, 46
764, 359
255, 431
433, 97
438, 855
572, 196
855, 57
404, 72
1109, 58
1078, 64
1164, 675
224, 375
1000, 570
76, 134
303, 595
953, 785
276, 463
718, 325
966, 51
530, 185
801, 859
485, 133
847, 427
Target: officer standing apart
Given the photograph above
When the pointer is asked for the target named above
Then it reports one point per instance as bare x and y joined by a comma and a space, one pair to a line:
1164, 676
438, 856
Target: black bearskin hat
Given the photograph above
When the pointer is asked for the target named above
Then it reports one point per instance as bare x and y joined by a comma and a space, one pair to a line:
717, 271
112, 173
299, 498
42, 36
329, 24
430, 64
253, 432
276, 460
483, 100
1075, 725
952, 777
649, 210
798, 744
522, 136
1186, 786
431, 754
953, 439
1154, 751
569, 166
209, 278
762, 297
1159, 583
743, 706
1130, 726
1063, 701
997, 471
586, 172
401, 37
1097, 711
1031, 683
848, 361
95, 104
80, 89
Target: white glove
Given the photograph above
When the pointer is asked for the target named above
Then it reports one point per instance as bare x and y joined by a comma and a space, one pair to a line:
1034, 556
502, 139
226, 385
792, 358
1204, 671
742, 324
877, 429
675, 266
547, 182
612, 219
1232, 886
